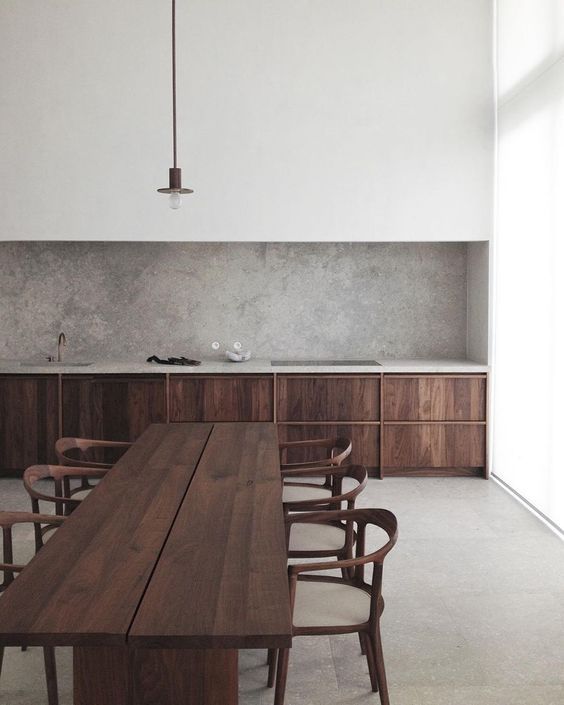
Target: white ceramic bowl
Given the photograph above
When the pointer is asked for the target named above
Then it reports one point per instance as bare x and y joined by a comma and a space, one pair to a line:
242, 356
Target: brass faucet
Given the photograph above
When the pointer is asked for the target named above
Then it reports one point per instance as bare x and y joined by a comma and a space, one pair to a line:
61, 343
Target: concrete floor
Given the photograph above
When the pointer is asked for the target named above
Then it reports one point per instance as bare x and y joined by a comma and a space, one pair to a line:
474, 610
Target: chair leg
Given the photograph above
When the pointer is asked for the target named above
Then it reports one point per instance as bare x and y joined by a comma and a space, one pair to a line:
380, 669
281, 676
1, 658
362, 647
272, 660
371, 661
24, 648
51, 675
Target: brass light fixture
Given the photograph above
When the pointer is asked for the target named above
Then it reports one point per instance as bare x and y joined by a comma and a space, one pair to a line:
175, 173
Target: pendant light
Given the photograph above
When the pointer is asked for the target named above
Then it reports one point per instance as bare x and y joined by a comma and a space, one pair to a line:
175, 173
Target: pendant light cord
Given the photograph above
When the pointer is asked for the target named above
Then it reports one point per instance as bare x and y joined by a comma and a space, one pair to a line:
174, 81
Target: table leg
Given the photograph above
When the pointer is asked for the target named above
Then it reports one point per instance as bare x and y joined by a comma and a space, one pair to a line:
120, 676
101, 675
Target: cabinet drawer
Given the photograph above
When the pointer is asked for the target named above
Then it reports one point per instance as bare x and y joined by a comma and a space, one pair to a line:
434, 445
29, 421
317, 398
112, 408
365, 442
434, 398
222, 398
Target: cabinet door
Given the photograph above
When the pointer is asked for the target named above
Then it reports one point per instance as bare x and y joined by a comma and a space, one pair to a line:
434, 398
221, 398
418, 446
112, 408
29, 421
328, 398
364, 437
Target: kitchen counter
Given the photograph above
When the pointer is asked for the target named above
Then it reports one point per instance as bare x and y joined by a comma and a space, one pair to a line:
422, 417
258, 366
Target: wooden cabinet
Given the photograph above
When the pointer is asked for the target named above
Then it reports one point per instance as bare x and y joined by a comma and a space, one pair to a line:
221, 398
434, 398
29, 421
426, 448
112, 407
365, 440
434, 425
399, 424
322, 406
328, 398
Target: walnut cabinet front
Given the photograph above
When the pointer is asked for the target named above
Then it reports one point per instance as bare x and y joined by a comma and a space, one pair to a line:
408, 424
29, 425
399, 424
434, 425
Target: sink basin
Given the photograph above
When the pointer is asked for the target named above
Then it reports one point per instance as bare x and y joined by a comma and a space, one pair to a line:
47, 363
325, 363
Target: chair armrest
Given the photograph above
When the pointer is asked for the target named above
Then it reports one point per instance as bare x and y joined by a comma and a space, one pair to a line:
65, 444
313, 471
8, 519
379, 517
310, 443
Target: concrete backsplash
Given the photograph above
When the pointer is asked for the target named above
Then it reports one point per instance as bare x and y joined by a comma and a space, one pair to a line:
282, 300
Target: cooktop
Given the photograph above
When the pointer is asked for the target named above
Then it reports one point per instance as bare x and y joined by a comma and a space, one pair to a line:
325, 363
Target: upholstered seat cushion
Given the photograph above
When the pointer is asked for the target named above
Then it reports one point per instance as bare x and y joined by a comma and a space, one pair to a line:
49, 534
291, 493
82, 494
316, 537
329, 604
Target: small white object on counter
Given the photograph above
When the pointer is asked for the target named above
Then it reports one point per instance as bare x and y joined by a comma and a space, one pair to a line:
238, 356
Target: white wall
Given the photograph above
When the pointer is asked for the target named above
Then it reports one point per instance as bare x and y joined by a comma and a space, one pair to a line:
529, 295
298, 120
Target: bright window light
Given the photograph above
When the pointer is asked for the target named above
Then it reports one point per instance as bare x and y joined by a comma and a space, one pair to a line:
530, 38
529, 298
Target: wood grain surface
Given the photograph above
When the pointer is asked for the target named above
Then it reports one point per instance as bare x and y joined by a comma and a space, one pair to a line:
225, 398
421, 445
328, 398
221, 579
113, 407
84, 586
422, 398
28, 421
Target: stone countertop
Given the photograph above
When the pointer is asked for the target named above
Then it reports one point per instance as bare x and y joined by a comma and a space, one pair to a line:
218, 366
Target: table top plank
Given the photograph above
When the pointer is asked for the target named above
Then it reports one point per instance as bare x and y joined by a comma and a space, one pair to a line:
221, 580
85, 585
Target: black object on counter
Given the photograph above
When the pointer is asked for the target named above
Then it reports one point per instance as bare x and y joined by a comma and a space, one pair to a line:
174, 361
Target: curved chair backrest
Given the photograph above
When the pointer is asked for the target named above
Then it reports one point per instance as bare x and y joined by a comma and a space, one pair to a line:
45, 522
338, 450
61, 476
359, 520
68, 444
338, 498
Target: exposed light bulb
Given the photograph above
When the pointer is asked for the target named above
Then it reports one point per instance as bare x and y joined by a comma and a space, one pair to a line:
174, 200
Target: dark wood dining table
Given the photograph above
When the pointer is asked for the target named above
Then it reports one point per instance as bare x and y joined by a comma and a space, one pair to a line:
171, 565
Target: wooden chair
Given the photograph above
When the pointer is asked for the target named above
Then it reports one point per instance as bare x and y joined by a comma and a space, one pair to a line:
332, 538
67, 445
324, 604
338, 450
61, 476
7, 521
308, 496
79, 447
